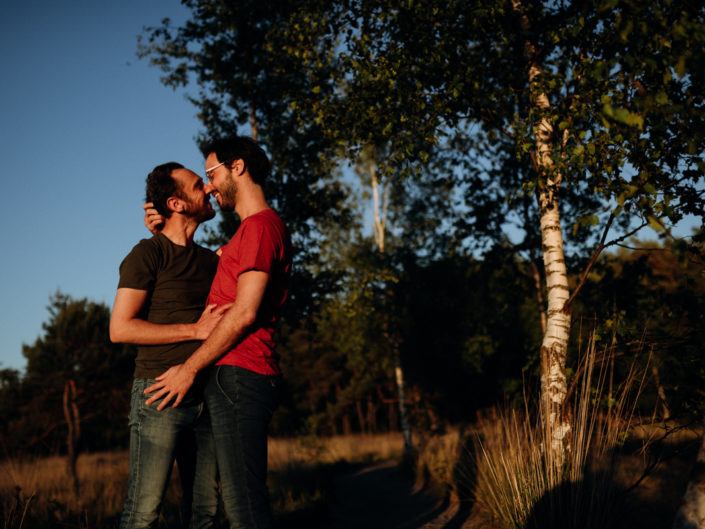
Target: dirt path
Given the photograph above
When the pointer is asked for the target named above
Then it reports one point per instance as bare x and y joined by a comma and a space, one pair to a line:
382, 497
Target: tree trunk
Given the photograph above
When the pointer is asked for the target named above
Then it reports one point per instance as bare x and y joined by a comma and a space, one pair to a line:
380, 217
380, 224
347, 428
405, 430
665, 412
74, 431
555, 340
371, 416
360, 416
691, 515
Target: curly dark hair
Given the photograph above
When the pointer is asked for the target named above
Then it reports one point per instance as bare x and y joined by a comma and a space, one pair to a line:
161, 186
233, 148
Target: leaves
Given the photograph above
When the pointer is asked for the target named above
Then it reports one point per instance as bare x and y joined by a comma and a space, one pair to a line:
74, 346
624, 116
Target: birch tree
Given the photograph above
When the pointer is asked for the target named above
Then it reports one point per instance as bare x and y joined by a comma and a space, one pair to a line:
380, 206
600, 100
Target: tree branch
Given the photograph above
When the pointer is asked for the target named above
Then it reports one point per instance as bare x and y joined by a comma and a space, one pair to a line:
592, 262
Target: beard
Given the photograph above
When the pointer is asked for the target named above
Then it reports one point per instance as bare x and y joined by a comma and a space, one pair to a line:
200, 212
227, 194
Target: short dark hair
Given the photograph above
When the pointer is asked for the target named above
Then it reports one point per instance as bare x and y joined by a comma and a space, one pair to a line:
233, 148
161, 186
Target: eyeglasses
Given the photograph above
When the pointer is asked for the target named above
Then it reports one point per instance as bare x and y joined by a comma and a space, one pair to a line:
209, 172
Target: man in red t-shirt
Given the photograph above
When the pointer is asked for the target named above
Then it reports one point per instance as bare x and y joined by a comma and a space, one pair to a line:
244, 385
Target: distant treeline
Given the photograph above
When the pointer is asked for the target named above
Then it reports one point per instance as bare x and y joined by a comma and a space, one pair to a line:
467, 331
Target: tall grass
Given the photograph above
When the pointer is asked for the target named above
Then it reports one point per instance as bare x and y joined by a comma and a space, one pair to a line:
524, 484
439, 459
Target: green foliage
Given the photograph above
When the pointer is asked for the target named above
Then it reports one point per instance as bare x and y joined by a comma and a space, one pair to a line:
74, 346
467, 332
457, 314
236, 53
340, 369
653, 306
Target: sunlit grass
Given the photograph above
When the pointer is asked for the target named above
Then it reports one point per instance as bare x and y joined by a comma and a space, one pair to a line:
41, 489
524, 484
351, 448
437, 463
37, 492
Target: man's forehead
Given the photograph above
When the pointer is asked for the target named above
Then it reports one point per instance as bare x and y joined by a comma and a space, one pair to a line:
184, 175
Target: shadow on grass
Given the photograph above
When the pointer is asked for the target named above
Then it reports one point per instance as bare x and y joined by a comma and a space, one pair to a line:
652, 504
300, 494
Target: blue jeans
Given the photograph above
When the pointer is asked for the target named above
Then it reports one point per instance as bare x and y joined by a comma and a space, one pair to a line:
241, 404
157, 439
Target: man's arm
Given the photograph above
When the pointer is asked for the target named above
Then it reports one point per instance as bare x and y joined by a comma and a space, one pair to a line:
232, 328
127, 327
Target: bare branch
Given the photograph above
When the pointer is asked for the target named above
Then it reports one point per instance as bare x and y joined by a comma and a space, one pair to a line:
592, 262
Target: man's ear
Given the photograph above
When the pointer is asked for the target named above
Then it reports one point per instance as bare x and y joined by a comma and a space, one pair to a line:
175, 204
238, 166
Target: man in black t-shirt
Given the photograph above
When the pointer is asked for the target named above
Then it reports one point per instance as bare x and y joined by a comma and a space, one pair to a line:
160, 305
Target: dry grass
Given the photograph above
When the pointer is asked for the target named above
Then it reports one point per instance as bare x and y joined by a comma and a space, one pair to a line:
438, 462
351, 448
526, 484
41, 490
37, 492
302, 471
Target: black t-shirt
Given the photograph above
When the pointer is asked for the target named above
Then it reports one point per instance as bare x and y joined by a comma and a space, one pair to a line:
177, 279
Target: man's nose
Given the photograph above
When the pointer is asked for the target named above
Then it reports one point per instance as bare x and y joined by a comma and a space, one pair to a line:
208, 188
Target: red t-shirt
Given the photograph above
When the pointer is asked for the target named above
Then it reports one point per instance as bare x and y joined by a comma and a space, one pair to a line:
261, 243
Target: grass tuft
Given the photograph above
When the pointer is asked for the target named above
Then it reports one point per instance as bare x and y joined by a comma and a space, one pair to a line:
525, 485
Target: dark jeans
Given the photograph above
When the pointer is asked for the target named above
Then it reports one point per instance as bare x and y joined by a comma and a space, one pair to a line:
157, 438
241, 404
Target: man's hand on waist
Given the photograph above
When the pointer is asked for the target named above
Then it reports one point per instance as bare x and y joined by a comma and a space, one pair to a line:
172, 384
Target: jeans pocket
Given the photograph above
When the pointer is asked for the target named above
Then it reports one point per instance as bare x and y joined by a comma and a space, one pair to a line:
225, 380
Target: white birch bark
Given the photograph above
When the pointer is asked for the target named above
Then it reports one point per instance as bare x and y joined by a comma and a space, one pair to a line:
380, 219
403, 416
555, 340
380, 224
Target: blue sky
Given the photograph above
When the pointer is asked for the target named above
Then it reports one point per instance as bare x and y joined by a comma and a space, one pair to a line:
82, 123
